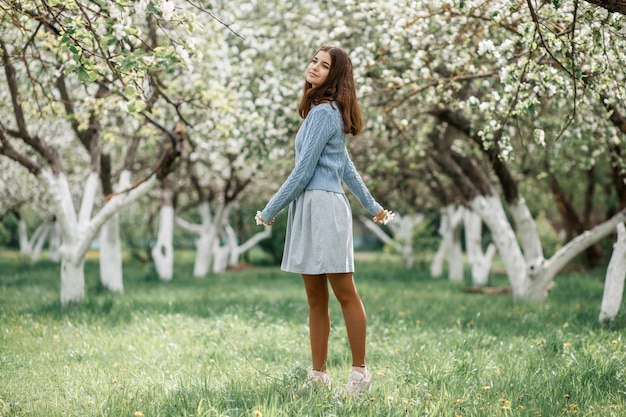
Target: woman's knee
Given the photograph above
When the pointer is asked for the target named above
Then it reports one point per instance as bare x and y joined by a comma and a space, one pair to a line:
344, 289
317, 300
316, 291
347, 297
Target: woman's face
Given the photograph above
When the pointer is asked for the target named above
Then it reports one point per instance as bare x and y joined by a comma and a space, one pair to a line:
318, 69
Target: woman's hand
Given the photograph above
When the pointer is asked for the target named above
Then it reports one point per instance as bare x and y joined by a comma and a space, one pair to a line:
259, 220
383, 216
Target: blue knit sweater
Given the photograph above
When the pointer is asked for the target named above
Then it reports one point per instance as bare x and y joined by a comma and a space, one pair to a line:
322, 163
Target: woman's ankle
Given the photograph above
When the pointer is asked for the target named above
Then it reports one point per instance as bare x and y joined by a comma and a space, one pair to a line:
362, 368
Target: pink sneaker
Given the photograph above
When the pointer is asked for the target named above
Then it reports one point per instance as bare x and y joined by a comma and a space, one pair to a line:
359, 381
316, 379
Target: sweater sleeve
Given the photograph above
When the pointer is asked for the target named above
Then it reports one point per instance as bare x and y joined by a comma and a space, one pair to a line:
355, 184
317, 130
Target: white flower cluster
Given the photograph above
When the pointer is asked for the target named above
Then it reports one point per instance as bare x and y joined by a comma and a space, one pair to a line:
389, 216
167, 10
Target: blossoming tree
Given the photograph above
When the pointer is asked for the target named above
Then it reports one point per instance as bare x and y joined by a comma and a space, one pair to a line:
87, 66
492, 77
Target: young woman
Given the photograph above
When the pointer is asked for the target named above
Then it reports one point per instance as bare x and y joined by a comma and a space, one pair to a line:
319, 226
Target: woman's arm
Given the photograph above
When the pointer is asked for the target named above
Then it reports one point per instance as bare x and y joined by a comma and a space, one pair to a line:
318, 128
355, 184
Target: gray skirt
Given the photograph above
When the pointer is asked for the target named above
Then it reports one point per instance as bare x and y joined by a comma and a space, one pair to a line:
319, 234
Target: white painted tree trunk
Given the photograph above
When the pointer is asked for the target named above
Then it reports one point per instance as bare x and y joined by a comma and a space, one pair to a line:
74, 242
207, 245
527, 231
491, 211
72, 280
31, 247
531, 276
111, 265
111, 275
541, 277
204, 255
455, 256
220, 257
39, 238
163, 251
77, 232
22, 233
480, 261
450, 246
402, 228
615, 276
234, 251
206, 236
54, 244
436, 265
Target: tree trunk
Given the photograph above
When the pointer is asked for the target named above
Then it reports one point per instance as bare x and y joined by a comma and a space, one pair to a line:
613, 6
220, 257
615, 276
527, 231
77, 232
111, 275
22, 231
436, 266
54, 244
232, 242
207, 231
235, 250
455, 256
163, 251
111, 263
72, 280
72, 274
31, 247
450, 246
491, 211
480, 261
204, 243
39, 238
403, 228
541, 276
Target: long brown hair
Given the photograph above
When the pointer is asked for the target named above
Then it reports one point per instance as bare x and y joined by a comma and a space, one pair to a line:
338, 87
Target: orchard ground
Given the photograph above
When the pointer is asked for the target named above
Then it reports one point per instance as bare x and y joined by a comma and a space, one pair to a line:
236, 344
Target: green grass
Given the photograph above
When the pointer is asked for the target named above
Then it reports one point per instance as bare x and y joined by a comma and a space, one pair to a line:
236, 344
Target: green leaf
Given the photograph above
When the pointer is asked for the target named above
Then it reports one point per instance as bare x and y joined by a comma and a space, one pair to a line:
153, 9
130, 91
83, 76
135, 106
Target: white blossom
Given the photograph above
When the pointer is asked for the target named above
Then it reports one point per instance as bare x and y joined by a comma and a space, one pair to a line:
540, 137
485, 46
167, 9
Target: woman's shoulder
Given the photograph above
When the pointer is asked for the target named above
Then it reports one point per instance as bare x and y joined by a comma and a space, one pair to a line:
328, 107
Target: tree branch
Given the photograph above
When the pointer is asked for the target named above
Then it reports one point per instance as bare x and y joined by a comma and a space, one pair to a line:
613, 6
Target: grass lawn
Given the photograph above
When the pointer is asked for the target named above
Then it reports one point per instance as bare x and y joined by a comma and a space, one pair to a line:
236, 344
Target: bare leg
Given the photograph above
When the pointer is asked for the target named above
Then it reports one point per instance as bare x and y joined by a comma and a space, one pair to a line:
353, 314
316, 287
